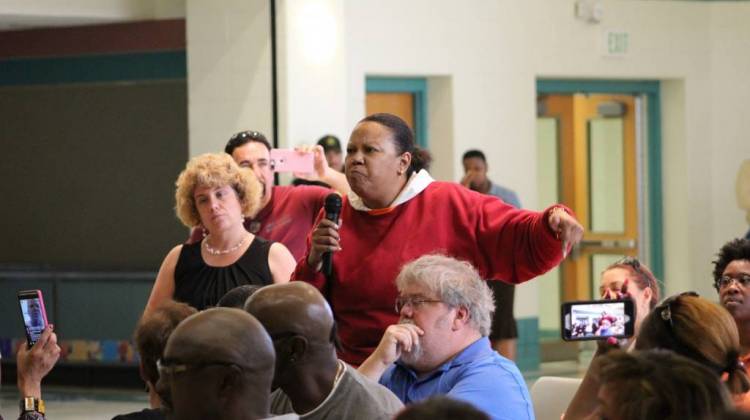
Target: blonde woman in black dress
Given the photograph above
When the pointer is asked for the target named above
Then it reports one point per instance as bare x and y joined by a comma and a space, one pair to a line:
216, 194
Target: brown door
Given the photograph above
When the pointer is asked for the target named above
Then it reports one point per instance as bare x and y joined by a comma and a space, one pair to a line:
590, 142
398, 103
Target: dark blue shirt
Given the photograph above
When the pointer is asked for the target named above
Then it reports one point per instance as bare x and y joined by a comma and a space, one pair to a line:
477, 375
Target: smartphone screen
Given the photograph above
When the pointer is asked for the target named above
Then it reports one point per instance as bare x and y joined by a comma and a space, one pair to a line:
33, 314
597, 319
289, 160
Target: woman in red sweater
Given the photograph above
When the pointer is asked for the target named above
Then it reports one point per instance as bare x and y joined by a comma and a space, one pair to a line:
396, 212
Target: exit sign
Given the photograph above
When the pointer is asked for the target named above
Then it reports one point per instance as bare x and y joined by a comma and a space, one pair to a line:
616, 43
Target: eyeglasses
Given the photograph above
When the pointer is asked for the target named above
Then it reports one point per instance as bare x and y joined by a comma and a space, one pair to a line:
665, 308
254, 135
633, 263
168, 368
724, 281
413, 301
630, 261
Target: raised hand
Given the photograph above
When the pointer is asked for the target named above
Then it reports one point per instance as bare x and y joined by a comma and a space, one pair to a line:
566, 228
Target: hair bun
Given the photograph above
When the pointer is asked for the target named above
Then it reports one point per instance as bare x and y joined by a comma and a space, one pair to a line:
420, 159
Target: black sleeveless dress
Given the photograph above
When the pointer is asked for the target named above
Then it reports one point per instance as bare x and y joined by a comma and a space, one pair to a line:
201, 285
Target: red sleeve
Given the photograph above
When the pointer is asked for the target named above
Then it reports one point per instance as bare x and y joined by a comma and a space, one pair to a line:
314, 196
516, 245
196, 234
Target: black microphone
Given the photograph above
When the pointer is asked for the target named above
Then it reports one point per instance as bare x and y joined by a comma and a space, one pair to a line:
333, 209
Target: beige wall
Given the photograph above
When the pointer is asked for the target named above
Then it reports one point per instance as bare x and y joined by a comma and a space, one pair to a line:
493, 51
229, 71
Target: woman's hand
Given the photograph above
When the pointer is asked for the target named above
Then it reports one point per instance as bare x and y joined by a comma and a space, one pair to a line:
609, 294
566, 227
325, 238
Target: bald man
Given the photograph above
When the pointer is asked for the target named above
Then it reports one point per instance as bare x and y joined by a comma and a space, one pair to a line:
312, 381
218, 364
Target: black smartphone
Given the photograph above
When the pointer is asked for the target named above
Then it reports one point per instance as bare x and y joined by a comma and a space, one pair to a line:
597, 319
33, 314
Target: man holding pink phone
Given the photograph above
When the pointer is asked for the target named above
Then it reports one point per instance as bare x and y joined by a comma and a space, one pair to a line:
287, 213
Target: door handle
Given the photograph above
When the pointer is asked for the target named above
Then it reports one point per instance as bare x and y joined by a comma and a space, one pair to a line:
608, 243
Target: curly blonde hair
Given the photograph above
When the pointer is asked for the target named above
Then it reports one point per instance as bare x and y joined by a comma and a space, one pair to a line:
214, 170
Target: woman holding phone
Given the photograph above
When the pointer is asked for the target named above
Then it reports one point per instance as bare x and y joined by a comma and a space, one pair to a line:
626, 278
216, 194
629, 278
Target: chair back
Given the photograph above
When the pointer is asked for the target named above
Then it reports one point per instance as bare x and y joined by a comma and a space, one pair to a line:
551, 396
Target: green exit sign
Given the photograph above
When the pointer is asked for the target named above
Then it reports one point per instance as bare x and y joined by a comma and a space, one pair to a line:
617, 43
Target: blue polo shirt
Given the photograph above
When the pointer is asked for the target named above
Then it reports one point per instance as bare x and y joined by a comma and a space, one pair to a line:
477, 375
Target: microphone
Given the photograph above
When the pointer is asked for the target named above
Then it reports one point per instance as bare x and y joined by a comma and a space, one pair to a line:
333, 210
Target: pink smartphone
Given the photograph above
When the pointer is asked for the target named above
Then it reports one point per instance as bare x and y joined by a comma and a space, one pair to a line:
289, 160
33, 313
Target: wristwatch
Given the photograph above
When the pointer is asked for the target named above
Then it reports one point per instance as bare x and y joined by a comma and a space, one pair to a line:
32, 404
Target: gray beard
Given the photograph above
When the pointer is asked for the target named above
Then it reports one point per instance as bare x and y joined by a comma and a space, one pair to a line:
411, 358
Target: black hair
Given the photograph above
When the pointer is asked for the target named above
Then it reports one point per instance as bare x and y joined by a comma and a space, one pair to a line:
244, 137
736, 249
236, 297
403, 138
474, 153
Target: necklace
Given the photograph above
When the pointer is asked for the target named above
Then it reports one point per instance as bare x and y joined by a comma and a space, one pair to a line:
213, 251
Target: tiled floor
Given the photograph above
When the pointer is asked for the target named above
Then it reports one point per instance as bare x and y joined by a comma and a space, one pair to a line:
79, 403
87, 404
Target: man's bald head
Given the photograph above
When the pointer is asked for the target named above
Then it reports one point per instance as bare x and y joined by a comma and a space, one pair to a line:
229, 361
221, 334
295, 307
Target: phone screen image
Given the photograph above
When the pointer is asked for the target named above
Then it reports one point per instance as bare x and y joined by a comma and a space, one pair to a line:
598, 320
34, 316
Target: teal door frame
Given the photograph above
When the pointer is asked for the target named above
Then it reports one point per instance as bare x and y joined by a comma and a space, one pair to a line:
651, 89
417, 86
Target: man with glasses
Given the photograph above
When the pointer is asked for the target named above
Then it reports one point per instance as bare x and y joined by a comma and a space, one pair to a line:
440, 345
310, 380
287, 213
218, 364
732, 281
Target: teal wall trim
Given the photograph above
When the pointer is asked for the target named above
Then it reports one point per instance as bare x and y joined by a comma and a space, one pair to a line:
527, 355
94, 68
652, 91
416, 86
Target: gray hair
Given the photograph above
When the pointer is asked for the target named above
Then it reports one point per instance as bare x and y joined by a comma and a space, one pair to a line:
454, 282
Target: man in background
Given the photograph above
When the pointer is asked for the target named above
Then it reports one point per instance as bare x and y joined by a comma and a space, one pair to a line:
504, 331
287, 213
332, 149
